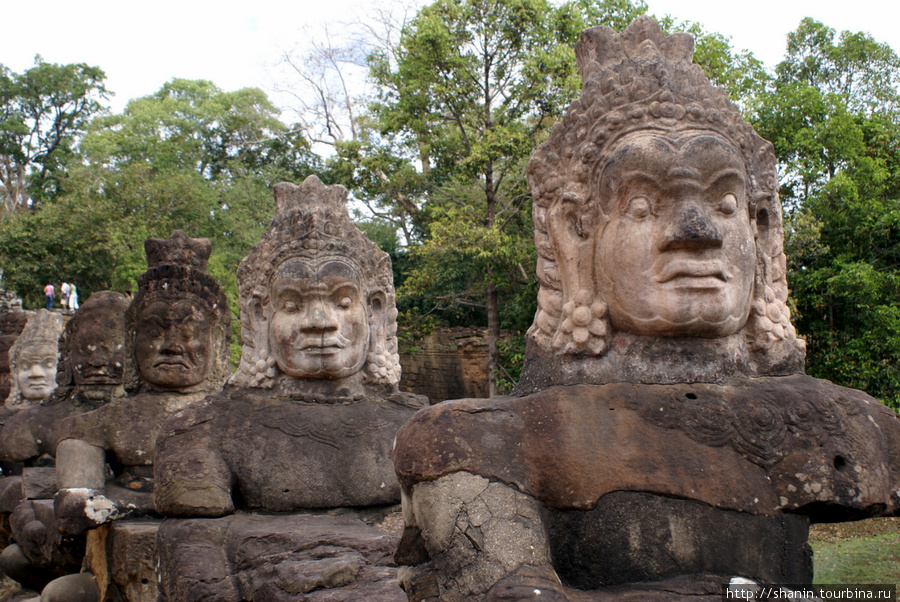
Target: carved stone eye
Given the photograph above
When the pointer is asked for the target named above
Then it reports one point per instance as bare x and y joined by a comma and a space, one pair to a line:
290, 307
638, 208
346, 302
728, 204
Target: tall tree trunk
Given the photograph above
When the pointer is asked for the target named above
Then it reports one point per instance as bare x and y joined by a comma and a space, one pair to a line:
493, 319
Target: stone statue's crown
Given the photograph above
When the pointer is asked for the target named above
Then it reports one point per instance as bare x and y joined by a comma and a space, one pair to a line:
311, 222
43, 328
179, 249
177, 266
643, 79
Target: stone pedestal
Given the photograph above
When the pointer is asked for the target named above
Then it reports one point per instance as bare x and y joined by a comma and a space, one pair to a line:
122, 557
289, 557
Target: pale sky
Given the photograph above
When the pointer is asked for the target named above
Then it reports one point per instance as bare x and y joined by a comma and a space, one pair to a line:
239, 44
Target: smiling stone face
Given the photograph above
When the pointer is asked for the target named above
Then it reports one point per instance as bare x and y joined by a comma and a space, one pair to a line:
173, 343
676, 256
36, 372
318, 326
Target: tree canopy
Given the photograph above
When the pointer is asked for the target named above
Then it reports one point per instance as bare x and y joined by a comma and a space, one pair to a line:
189, 157
43, 112
832, 114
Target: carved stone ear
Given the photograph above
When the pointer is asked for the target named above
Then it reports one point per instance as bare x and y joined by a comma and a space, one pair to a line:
258, 323
763, 220
376, 304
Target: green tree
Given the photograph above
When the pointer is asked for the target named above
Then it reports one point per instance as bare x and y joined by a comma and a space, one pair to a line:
189, 157
43, 111
463, 100
832, 115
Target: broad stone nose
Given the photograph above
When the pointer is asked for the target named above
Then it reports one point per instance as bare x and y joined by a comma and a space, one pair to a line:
321, 318
691, 228
170, 342
36, 369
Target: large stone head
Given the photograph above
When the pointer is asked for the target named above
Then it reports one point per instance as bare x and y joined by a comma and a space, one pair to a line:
33, 359
178, 325
317, 296
92, 348
656, 210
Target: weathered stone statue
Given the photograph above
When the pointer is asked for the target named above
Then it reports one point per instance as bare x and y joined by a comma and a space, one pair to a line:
304, 426
92, 355
176, 343
12, 321
32, 360
663, 438
177, 333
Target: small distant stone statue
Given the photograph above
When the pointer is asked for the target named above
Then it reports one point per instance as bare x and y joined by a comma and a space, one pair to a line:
12, 321
177, 332
663, 438
306, 423
32, 360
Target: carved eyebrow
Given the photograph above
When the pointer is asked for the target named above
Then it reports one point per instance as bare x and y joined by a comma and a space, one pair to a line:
154, 319
343, 285
728, 172
38, 358
685, 172
637, 174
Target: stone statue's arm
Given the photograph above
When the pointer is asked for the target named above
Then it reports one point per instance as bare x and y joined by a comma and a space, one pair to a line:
80, 503
190, 476
478, 540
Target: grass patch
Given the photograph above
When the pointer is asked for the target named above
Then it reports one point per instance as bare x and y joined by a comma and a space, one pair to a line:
864, 558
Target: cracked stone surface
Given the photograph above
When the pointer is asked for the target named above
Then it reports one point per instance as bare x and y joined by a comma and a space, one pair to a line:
290, 557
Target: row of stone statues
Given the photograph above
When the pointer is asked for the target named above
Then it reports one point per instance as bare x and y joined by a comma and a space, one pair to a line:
662, 441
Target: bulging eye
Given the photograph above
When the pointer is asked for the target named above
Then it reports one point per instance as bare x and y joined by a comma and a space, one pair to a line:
290, 307
728, 204
346, 302
638, 208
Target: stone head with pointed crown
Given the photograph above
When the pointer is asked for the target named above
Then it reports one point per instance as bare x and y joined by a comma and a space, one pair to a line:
657, 221
33, 360
317, 299
178, 327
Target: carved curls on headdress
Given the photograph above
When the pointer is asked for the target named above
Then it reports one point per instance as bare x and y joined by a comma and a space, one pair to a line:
641, 80
311, 222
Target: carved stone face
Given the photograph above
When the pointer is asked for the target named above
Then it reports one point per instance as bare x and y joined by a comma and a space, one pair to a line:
677, 255
319, 320
36, 371
173, 343
96, 350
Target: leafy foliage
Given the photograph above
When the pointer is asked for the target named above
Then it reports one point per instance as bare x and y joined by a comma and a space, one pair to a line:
189, 157
833, 118
43, 111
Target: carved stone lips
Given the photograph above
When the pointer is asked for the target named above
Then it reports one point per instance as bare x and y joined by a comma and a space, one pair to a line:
677, 269
171, 363
321, 346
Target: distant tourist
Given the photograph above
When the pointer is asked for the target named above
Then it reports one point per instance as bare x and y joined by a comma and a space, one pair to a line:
48, 293
73, 297
64, 295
